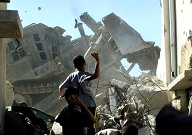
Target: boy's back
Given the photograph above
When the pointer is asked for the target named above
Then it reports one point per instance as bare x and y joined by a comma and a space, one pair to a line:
78, 80
74, 121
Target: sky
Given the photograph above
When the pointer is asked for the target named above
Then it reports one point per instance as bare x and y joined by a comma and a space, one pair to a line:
142, 15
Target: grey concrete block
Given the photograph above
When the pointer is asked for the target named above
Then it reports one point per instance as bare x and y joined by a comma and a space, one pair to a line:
10, 24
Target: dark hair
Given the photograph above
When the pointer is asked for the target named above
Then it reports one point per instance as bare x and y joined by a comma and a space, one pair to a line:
71, 91
170, 121
79, 61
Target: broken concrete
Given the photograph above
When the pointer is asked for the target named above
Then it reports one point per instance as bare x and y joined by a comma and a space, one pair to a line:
44, 58
10, 24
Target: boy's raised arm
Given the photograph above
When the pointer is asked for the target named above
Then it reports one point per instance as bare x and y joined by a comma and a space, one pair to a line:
97, 66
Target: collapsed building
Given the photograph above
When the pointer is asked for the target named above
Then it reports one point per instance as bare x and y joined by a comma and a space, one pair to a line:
42, 59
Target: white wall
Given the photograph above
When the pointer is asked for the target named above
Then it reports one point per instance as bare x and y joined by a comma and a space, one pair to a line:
183, 25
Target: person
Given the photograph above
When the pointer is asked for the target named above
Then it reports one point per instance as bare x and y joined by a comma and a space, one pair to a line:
80, 79
127, 130
170, 121
76, 116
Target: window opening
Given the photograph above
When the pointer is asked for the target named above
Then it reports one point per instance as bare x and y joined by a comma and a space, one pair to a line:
16, 49
43, 56
36, 37
39, 46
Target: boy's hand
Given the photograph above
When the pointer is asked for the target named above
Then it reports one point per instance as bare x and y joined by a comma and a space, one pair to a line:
95, 55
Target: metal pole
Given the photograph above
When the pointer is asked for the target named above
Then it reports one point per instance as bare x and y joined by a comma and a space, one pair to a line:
3, 6
173, 38
166, 39
131, 67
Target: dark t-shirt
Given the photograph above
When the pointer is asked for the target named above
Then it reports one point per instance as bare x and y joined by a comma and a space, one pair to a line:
74, 121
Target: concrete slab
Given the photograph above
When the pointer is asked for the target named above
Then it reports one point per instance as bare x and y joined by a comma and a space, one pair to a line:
127, 39
10, 24
183, 81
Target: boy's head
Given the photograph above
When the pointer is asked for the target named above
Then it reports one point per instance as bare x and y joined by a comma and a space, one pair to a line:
79, 62
71, 91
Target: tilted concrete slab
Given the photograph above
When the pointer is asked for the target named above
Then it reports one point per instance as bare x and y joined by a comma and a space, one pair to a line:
10, 24
127, 39
183, 81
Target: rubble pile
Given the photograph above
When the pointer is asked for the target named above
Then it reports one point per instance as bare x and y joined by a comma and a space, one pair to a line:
137, 104
121, 99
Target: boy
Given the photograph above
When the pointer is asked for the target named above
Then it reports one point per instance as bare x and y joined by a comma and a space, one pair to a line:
73, 120
80, 79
